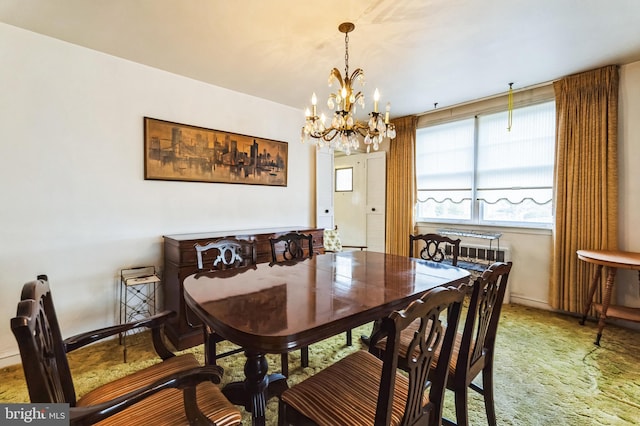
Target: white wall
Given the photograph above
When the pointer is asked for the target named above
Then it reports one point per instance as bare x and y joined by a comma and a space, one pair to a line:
75, 204
628, 282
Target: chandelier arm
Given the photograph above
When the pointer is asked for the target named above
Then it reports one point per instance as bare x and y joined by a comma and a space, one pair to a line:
325, 134
328, 135
360, 125
336, 74
356, 73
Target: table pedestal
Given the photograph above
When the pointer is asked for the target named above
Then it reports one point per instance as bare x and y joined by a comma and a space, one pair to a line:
613, 260
257, 388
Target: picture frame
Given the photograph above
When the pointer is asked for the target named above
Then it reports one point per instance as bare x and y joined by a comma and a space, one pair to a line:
182, 152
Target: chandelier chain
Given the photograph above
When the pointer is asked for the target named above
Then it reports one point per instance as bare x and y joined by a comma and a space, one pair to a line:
346, 54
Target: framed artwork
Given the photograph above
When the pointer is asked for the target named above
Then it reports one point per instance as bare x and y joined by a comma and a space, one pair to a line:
174, 151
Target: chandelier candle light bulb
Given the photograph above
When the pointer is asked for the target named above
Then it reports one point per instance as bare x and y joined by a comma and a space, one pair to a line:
345, 131
314, 101
376, 98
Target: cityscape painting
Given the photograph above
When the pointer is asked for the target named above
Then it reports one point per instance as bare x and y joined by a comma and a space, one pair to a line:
174, 151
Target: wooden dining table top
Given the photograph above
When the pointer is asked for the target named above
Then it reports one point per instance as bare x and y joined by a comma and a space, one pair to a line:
277, 308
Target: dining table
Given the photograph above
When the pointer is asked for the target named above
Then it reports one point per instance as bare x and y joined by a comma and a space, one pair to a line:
277, 308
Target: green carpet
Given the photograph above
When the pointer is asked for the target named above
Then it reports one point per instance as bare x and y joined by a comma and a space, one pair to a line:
547, 372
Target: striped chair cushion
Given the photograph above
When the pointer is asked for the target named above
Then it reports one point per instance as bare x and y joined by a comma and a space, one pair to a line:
165, 407
348, 391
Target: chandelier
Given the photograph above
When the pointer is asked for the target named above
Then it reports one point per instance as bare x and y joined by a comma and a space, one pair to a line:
345, 130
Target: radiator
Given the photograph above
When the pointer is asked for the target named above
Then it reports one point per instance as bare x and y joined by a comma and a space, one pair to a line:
477, 258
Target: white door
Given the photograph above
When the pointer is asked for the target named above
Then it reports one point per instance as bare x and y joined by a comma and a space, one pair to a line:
324, 190
360, 213
350, 214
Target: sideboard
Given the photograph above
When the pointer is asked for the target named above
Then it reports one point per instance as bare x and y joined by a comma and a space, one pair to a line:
180, 261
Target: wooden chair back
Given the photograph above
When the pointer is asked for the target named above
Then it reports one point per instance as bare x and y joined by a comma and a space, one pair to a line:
430, 337
226, 253
291, 246
481, 324
42, 350
435, 247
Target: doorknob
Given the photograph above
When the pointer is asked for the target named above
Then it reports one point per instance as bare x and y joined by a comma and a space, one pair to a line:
326, 211
373, 209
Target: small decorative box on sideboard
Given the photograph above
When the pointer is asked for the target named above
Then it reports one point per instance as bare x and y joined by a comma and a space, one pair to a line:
180, 262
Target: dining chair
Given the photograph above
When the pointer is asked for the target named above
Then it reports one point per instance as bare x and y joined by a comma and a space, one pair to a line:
432, 247
215, 256
474, 349
291, 246
226, 253
474, 346
177, 390
287, 248
362, 389
333, 244
435, 247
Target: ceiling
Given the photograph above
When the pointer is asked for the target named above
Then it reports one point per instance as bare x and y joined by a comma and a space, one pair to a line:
417, 52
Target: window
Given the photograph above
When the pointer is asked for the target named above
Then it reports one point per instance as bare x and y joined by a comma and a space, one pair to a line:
344, 179
475, 171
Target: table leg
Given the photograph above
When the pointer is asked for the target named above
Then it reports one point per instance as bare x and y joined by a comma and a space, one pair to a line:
376, 326
592, 291
257, 388
606, 299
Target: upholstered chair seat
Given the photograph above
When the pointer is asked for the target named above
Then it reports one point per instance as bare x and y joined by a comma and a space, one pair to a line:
357, 377
166, 406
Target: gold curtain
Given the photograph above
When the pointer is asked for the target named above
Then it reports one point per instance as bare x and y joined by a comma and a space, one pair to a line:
401, 187
586, 181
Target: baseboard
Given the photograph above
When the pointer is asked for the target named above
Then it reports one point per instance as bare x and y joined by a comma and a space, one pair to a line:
518, 299
9, 360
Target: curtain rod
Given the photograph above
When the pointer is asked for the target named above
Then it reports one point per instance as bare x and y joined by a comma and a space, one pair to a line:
486, 98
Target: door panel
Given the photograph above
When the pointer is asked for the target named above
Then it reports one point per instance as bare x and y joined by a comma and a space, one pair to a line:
350, 206
376, 200
324, 190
